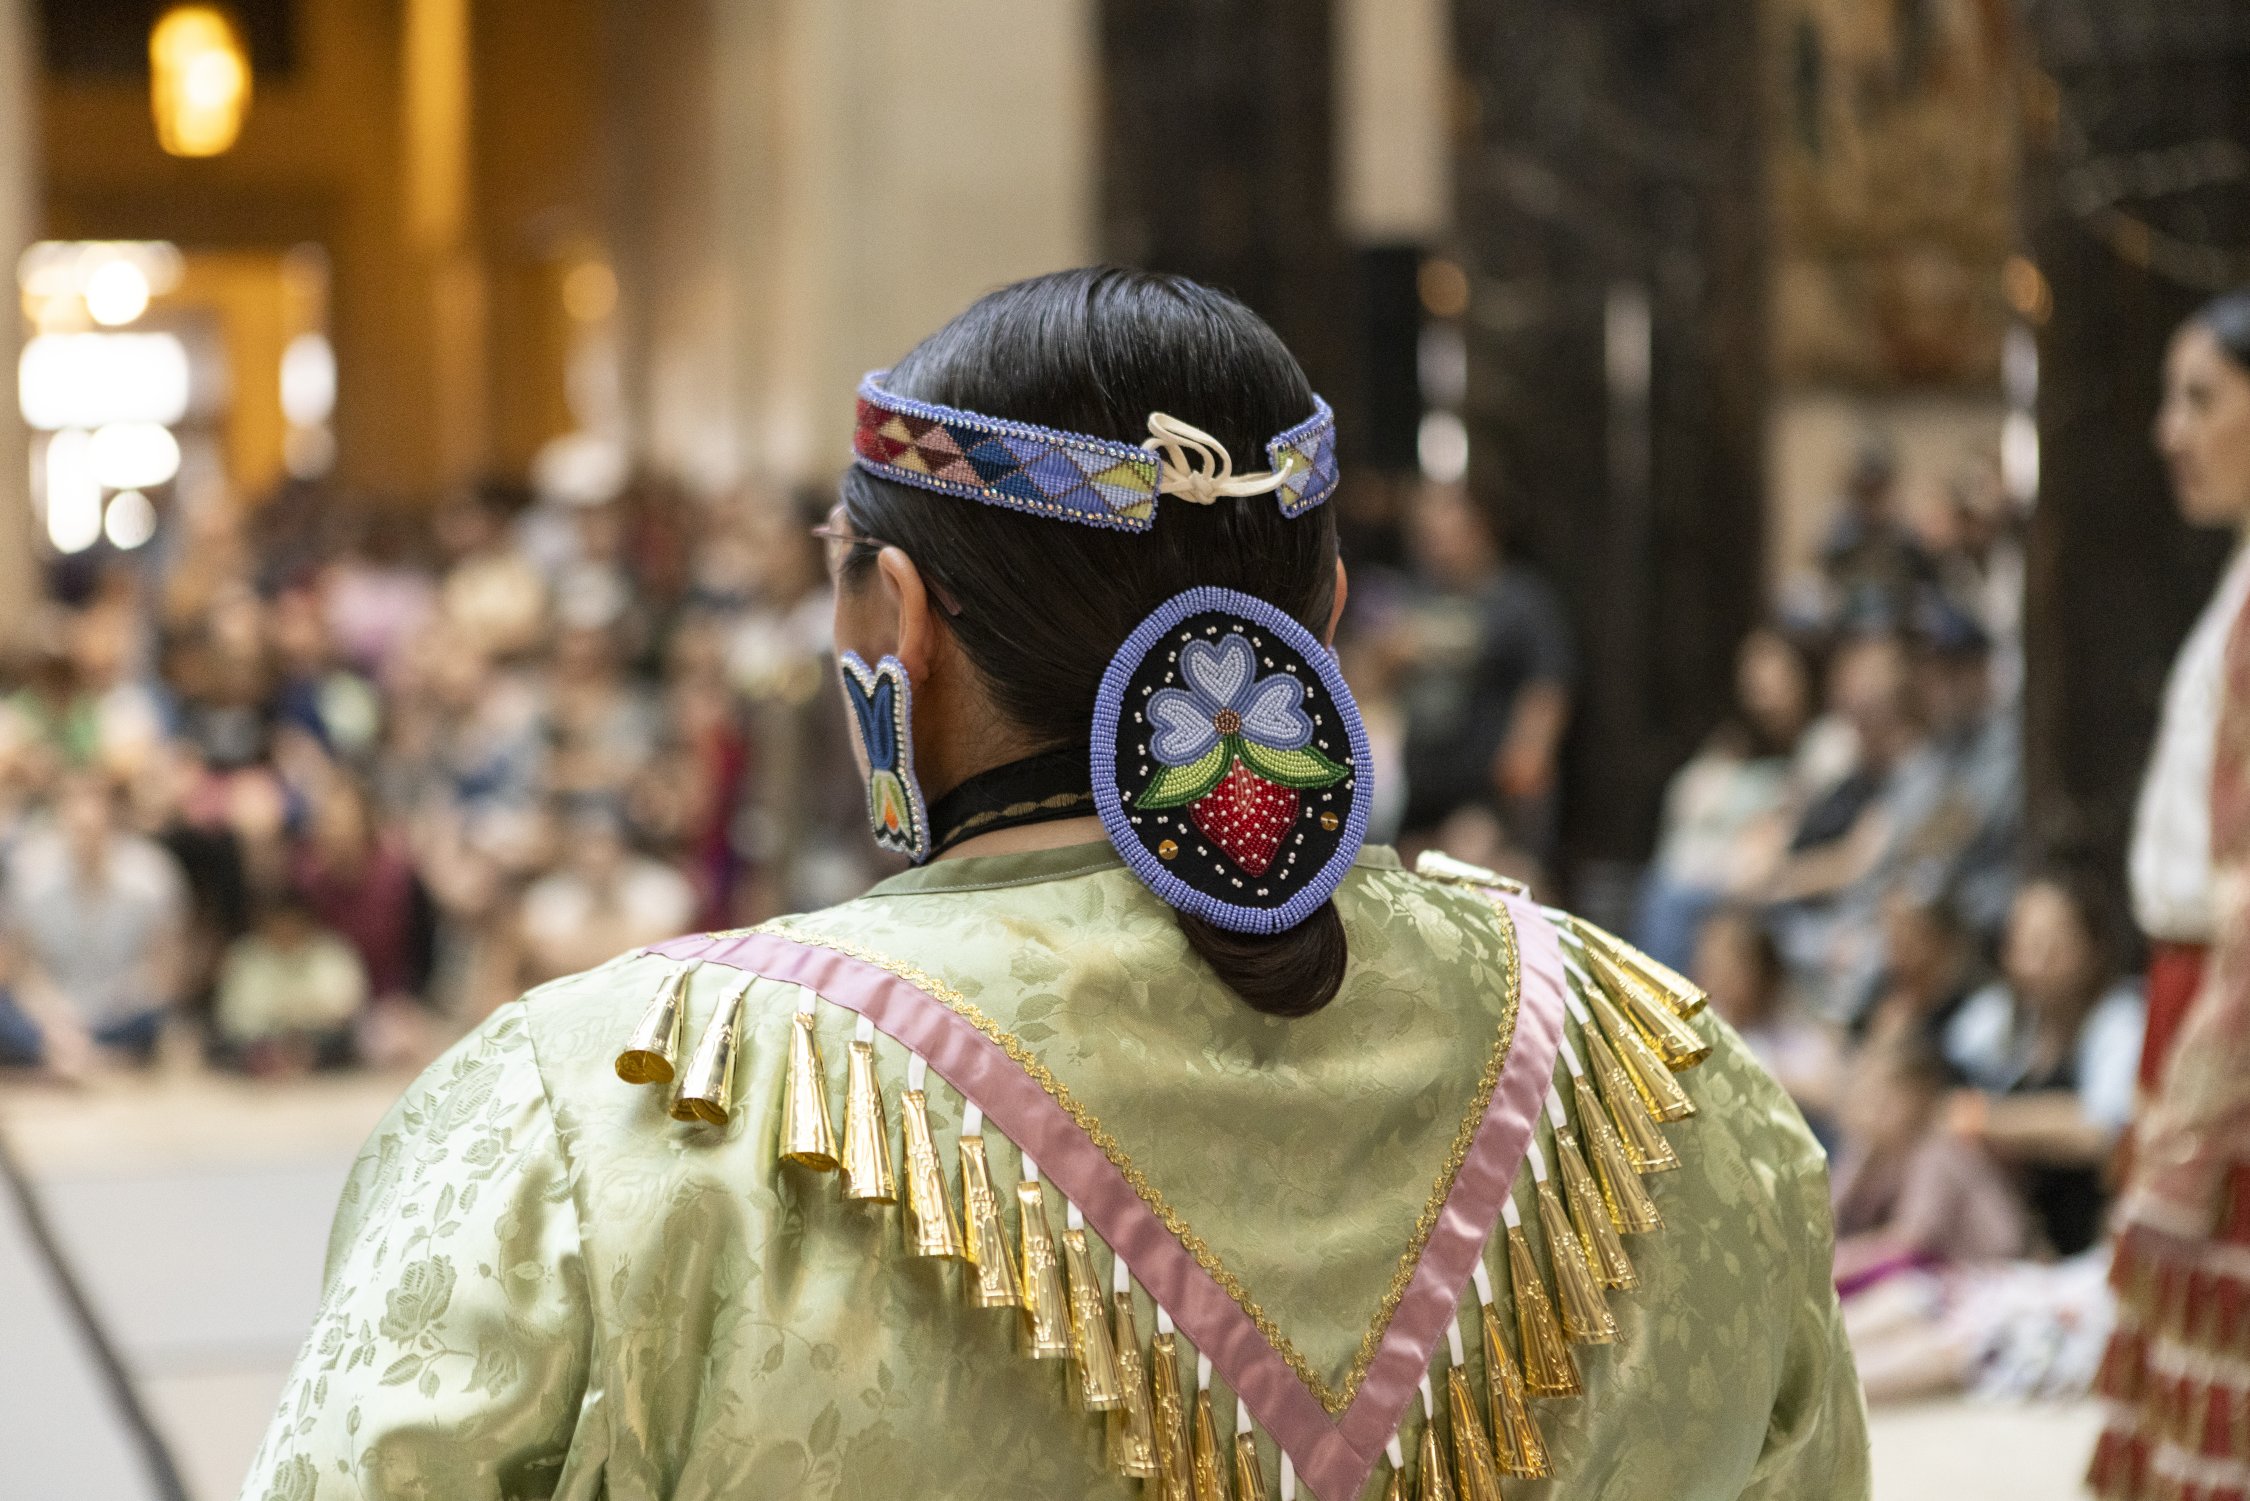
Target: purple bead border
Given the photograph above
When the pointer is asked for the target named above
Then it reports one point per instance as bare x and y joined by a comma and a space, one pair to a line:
872, 392
1109, 707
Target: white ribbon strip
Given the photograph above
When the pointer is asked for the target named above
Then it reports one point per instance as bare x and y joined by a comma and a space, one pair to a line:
1175, 442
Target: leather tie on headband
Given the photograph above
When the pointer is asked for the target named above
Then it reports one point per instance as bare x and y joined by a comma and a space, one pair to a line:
1079, 477
1176, 442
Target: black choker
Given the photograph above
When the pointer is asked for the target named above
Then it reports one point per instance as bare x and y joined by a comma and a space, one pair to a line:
1037, 789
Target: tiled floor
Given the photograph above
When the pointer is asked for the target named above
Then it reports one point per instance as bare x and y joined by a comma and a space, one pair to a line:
195, 1211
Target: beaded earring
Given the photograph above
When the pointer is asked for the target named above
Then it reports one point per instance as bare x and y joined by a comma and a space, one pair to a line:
882, 709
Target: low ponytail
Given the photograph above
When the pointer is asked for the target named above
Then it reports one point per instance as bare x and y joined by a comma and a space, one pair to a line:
1281, 974
1042, 607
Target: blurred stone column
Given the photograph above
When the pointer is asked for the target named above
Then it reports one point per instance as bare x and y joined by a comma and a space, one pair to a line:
1614, 223
19, 207
804, 188
1219, 161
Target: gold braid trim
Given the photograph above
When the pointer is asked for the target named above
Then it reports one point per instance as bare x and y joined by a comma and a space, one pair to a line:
1333, 1398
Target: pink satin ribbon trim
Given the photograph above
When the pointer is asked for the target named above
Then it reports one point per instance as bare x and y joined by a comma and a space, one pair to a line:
1333, 1458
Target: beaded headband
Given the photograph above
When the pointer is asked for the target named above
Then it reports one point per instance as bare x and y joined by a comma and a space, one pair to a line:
1231, 769
1074, 477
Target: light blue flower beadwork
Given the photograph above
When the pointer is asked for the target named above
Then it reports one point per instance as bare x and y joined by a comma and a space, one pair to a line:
1225, 696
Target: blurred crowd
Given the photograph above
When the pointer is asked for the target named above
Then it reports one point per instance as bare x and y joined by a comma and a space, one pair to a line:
326, 783
1845, 866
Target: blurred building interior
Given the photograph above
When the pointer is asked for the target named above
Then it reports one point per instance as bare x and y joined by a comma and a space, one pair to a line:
443, 241
1660, 288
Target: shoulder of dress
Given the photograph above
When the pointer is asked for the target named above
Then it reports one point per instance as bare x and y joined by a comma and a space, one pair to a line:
1591, 953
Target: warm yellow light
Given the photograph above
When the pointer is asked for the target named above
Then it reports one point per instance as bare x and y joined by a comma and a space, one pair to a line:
589, 291
199, 80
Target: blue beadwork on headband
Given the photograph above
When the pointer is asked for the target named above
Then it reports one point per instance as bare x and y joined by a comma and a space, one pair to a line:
1047, 472
1231, 769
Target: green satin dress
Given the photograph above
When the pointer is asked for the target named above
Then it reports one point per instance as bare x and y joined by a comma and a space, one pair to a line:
541, 1284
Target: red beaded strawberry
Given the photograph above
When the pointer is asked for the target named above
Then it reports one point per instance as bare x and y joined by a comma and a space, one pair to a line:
1246, 816
1236, 749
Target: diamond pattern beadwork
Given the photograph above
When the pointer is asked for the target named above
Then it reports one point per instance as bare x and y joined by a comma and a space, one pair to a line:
1046, 472
1307, 453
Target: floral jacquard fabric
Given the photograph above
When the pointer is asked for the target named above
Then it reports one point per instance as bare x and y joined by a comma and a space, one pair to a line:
540, 1285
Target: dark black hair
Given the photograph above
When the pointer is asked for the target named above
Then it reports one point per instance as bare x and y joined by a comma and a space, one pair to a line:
2098, 906
1043, 605
2227, 318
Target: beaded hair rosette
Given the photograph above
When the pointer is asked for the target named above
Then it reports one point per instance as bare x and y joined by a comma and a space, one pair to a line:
1230, 765
1074, 477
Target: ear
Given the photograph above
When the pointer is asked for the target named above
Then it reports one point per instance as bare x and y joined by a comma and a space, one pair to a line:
1336, 610
919, 629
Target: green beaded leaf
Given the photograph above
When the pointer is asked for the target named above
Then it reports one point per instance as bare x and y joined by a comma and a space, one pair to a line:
1305, 769
1178, 785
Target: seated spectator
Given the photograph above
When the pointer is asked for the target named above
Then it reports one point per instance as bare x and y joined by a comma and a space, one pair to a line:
289, 991
1961, 829
92, 917
1745, 772
2051, 1049
357, 880
1926, 972
603, 900
1874, 564
1737, 962
1909, 1193
1827, 884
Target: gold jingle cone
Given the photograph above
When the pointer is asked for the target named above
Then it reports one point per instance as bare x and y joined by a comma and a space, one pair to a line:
1631, 1209
1586, 1319
1046, 1313
808, 1135
985, 1237
1517, 1447
652, 1054
1677, 1043
1132, 1427
1589, 1216
1174, 1465
1549, 1369
1431, 1483
1472, 1451
1645, 1146
1660, 1093
869, 1175
1680, 993
1093, 1359
1394, 1489
707, 1088
931, 1229
1249, 1470
1207, 1463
